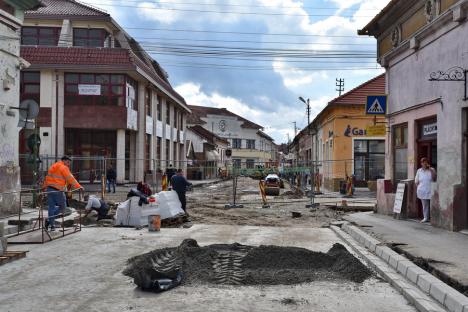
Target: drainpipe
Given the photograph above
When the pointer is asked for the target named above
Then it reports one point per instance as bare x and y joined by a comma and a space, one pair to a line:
56, 115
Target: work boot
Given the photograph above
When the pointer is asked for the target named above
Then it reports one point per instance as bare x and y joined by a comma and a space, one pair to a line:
52, 228
46, 224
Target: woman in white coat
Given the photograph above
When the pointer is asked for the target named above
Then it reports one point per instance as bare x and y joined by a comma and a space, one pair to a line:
424, 178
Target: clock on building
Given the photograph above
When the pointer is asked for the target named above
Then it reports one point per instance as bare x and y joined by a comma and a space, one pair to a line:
222, 125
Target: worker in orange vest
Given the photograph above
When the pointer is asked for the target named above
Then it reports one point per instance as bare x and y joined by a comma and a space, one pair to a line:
58, 179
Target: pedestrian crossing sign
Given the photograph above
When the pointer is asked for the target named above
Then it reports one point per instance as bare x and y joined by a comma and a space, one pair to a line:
376, 105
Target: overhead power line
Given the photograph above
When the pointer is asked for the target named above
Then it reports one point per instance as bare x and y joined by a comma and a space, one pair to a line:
245, 5
226, 12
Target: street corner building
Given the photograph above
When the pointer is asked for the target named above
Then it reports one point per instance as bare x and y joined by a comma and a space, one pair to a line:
342, 140
251, 147
101, 95
421, 44
11, 20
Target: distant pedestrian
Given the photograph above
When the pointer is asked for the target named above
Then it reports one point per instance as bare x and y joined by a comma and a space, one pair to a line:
111, 176
170, 172
179, 185
424, 178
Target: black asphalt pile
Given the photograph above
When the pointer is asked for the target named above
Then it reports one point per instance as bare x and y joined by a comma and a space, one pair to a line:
237, 264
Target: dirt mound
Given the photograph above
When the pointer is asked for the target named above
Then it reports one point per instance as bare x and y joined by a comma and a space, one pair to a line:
237, 264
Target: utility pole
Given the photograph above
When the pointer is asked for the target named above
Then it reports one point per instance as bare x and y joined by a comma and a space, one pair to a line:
307, 103
295, 128
340, 86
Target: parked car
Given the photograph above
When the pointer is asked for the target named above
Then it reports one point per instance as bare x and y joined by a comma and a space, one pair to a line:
272, 185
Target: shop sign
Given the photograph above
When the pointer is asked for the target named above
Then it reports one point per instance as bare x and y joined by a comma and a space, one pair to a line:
349, 132
376, 130
399, 196
86, 89
429, 129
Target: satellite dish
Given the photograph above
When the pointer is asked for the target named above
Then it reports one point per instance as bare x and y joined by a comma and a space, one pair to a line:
28, 111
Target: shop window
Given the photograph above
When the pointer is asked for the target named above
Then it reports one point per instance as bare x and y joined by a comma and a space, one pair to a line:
112, 89
237, 143
40, 36
400, 152
158, 152
250, 144
174, 152
236, 163
369, 160
168, 150
89, 37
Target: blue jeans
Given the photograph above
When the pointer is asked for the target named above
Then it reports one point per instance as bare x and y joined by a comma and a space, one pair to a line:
109, 183
56, 202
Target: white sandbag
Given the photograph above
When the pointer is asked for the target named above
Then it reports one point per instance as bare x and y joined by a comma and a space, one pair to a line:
169, 204
122, 213
129, 213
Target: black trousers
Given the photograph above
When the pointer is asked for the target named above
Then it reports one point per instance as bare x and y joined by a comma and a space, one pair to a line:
183, 199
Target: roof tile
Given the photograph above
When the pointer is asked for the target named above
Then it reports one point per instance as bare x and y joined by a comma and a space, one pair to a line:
203, 111
65, 8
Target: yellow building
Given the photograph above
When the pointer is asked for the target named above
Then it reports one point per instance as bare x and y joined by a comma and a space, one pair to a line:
345, 141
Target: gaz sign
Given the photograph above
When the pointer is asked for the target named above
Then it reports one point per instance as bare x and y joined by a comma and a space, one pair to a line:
376, 105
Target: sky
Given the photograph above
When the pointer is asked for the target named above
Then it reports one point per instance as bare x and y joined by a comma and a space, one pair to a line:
256, 57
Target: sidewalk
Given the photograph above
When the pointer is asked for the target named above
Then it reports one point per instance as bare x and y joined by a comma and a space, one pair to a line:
443, 253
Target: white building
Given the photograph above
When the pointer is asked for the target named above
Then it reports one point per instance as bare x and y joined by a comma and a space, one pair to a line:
11, 19
250, 145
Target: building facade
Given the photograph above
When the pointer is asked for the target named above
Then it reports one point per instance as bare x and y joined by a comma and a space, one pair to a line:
250, 146
421, 45
11, 19
339, 143
209, 153
101, 95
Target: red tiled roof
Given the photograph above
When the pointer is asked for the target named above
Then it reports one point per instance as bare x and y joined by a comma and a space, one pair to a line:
65, 8
118, 58
208, 135
203, 111
53, 56
358, 95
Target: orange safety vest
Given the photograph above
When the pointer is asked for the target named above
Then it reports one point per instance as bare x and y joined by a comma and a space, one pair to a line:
59, 176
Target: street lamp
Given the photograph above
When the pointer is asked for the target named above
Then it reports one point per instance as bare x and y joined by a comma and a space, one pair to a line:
312, 164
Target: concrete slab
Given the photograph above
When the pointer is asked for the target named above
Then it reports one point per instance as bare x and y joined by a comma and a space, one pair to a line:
82, 272
446, 251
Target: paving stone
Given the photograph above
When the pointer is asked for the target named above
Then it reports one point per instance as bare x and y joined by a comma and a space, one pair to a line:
414, 272
428, 306
403, 266
386, 254
395, 259
425, 281
379, 250
438, 291
455, 301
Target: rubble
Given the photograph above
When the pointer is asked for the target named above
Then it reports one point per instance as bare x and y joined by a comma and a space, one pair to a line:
236, 264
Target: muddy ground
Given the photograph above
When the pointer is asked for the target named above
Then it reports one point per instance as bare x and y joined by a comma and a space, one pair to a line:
206, 204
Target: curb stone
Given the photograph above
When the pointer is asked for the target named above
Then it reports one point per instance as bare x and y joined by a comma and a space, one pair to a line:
445, 295
419, 299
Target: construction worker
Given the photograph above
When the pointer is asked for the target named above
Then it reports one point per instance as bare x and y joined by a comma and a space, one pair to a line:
58, 179
179, 185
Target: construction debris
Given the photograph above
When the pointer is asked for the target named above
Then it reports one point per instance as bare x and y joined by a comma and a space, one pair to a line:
237, 264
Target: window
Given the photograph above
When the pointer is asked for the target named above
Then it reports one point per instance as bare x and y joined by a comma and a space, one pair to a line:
251, 144
168, 152
132, 94
30, 86
89, 37
174, 152
159, 108
181, 124
176, 118
148, 106
236, 163
158, 152
400, 145
250, 163
147, 153
40, 36
237, 143
112, 89
369, 160
168, 113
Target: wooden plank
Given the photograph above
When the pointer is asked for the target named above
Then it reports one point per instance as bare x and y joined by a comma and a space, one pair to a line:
10, 256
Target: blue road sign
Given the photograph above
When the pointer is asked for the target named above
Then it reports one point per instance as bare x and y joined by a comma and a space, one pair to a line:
376, 105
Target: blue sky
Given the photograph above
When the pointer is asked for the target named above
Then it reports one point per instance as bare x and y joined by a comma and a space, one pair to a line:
262, 89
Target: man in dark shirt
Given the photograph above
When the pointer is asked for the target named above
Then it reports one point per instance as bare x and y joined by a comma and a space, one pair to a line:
111, 175
170, 172
179, 184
